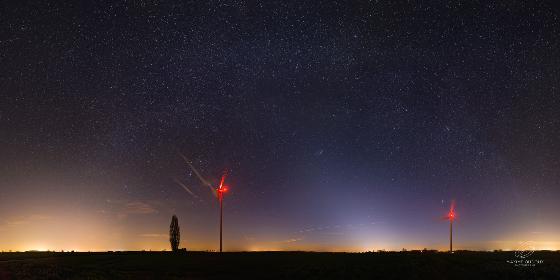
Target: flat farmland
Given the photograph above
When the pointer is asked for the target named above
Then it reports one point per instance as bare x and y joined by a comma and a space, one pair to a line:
279, 265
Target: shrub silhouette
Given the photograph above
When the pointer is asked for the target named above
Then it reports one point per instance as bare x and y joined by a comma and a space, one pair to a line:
174, 234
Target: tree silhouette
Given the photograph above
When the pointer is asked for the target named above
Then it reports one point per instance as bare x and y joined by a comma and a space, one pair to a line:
174, 234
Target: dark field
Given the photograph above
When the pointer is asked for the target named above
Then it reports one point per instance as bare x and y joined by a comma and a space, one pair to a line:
283, 265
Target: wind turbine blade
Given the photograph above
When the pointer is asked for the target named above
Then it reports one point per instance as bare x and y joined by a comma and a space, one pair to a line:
185, 188
202, 180
223, 179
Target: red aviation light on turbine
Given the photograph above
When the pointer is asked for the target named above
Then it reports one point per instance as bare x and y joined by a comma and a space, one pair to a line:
451, 216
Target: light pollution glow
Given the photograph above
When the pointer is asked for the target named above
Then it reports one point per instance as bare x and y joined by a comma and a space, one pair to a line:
57, 229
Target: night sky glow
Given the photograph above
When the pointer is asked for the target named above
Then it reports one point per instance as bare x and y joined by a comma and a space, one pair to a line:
343, 126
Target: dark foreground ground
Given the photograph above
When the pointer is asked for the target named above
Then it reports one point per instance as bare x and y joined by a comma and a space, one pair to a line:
277, 265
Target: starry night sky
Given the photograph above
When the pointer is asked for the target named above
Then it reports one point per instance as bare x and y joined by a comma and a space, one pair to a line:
343, 126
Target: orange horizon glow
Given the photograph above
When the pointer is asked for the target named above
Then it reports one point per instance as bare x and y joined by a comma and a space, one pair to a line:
68, 232
134, 225
163, 245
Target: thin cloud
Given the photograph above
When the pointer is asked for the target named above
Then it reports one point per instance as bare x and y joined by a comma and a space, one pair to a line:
136, 208
27, 219
154, 235
292, 240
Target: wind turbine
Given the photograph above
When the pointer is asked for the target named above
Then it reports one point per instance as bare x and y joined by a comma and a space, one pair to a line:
451, 217
217, 192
